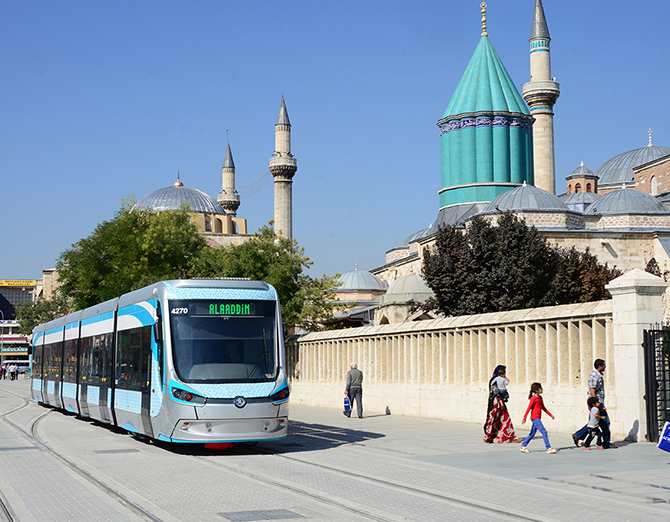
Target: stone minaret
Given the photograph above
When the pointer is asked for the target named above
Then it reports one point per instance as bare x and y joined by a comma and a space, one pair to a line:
541, 94
283, 166
228, 198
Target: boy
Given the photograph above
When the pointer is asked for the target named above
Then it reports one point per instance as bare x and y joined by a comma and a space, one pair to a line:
592, 426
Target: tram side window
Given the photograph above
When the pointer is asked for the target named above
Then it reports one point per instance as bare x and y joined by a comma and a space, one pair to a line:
70, 361
37, 361
52, 357
134, 359
86, 361
98, 359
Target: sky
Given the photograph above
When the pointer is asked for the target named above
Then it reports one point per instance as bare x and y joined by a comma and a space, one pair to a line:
105, 100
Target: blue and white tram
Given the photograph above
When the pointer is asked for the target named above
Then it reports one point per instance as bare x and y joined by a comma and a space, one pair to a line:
179, 361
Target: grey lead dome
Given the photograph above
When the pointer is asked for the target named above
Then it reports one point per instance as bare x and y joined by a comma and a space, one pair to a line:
626, 201
174, 197
525, 197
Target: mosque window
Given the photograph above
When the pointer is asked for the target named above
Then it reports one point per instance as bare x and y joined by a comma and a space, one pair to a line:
569, 189
654, 186
578, 187
588, 187
208, 224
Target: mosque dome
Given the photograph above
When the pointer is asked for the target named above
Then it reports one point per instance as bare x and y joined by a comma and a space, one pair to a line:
525, 198
178, 195
361, 281
579, 201
626, 201
408, 288
619, 169
581, 172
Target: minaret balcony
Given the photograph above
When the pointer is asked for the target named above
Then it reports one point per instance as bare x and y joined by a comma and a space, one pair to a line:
283, 162
545, 92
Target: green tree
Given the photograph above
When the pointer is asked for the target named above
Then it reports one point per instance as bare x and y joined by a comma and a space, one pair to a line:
305, 301
42, 310
508, 266
136, 248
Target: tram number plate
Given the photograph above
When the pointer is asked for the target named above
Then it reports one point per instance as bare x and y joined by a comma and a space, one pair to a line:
179, 311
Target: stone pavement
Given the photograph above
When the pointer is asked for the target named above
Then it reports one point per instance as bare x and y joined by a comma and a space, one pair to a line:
330, 468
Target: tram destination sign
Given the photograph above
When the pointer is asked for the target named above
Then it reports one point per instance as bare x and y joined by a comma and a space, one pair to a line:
218, 309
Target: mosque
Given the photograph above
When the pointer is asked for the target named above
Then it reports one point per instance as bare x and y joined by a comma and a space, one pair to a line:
216, 219
497, 155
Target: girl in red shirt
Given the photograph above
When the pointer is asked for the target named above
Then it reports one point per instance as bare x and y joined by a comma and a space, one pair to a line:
535, 408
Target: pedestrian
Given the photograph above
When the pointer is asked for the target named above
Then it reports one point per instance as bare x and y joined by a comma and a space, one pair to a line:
498, 427
11, 372
596, 384
500, 383
2, 372
354, 389
594, 415
536, 407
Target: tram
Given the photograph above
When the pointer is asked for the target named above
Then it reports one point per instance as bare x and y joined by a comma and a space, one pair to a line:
192, 361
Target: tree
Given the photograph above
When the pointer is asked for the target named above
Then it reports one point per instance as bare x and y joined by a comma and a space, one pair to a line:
40, 311
305, 301
580, 278
136, 248
508, 266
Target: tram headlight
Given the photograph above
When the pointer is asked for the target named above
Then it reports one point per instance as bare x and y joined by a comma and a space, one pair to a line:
187, 396
280, 396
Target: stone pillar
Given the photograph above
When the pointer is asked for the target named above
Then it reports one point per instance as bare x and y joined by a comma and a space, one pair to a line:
637, 306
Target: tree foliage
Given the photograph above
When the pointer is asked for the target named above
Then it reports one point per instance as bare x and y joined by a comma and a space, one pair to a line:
40, 311
305, 301
136, 248
508, 266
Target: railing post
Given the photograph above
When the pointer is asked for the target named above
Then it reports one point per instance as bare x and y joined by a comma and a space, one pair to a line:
637, 305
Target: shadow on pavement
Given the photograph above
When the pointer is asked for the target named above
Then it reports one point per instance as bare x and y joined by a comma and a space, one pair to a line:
302, 437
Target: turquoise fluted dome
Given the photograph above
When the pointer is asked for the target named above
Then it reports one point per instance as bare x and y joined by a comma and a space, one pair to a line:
486, 133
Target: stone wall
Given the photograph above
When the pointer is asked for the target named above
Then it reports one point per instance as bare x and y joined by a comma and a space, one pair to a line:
440, 368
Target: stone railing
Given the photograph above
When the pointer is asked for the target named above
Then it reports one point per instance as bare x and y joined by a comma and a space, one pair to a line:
441, 368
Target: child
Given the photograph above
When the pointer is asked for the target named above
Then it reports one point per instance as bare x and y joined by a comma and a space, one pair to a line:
536, 406
499, 385
594, 416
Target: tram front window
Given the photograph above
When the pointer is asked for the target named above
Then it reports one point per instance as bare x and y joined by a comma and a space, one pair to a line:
224, 341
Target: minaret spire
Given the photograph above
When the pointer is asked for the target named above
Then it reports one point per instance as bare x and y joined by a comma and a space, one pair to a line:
228, 198
541, 94
283, 166
483, 6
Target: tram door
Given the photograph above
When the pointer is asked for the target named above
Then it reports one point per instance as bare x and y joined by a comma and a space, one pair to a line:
36, 370
69, 372
52, 357
95, 365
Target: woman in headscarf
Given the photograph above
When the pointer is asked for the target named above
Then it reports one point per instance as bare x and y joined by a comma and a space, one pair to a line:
498, 427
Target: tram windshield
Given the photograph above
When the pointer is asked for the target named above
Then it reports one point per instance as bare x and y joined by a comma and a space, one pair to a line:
224, 341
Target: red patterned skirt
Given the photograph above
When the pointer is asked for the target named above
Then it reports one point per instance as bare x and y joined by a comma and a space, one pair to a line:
499, 426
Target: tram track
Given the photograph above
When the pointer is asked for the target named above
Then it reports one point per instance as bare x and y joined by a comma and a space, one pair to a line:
35, 438
348, 474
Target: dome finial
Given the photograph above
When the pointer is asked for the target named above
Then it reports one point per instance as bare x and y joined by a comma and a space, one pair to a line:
483, 6
178, 183
650, 143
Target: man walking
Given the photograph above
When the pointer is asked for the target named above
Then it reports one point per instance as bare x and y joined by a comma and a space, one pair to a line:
596, 384
354, 389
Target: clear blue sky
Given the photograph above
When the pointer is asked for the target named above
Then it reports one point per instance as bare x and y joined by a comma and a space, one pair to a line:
101, 100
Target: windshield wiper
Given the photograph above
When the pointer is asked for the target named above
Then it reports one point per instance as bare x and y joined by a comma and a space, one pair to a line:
265, 354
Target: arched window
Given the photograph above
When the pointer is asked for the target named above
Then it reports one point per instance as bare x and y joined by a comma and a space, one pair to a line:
578, 187
569, 189
208, 224
588, 187
654, 186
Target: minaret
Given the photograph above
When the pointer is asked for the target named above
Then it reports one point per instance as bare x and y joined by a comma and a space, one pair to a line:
541, 94
228, 198
283, 166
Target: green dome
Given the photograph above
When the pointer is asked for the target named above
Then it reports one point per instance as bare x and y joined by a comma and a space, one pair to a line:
486, 133
486, 86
